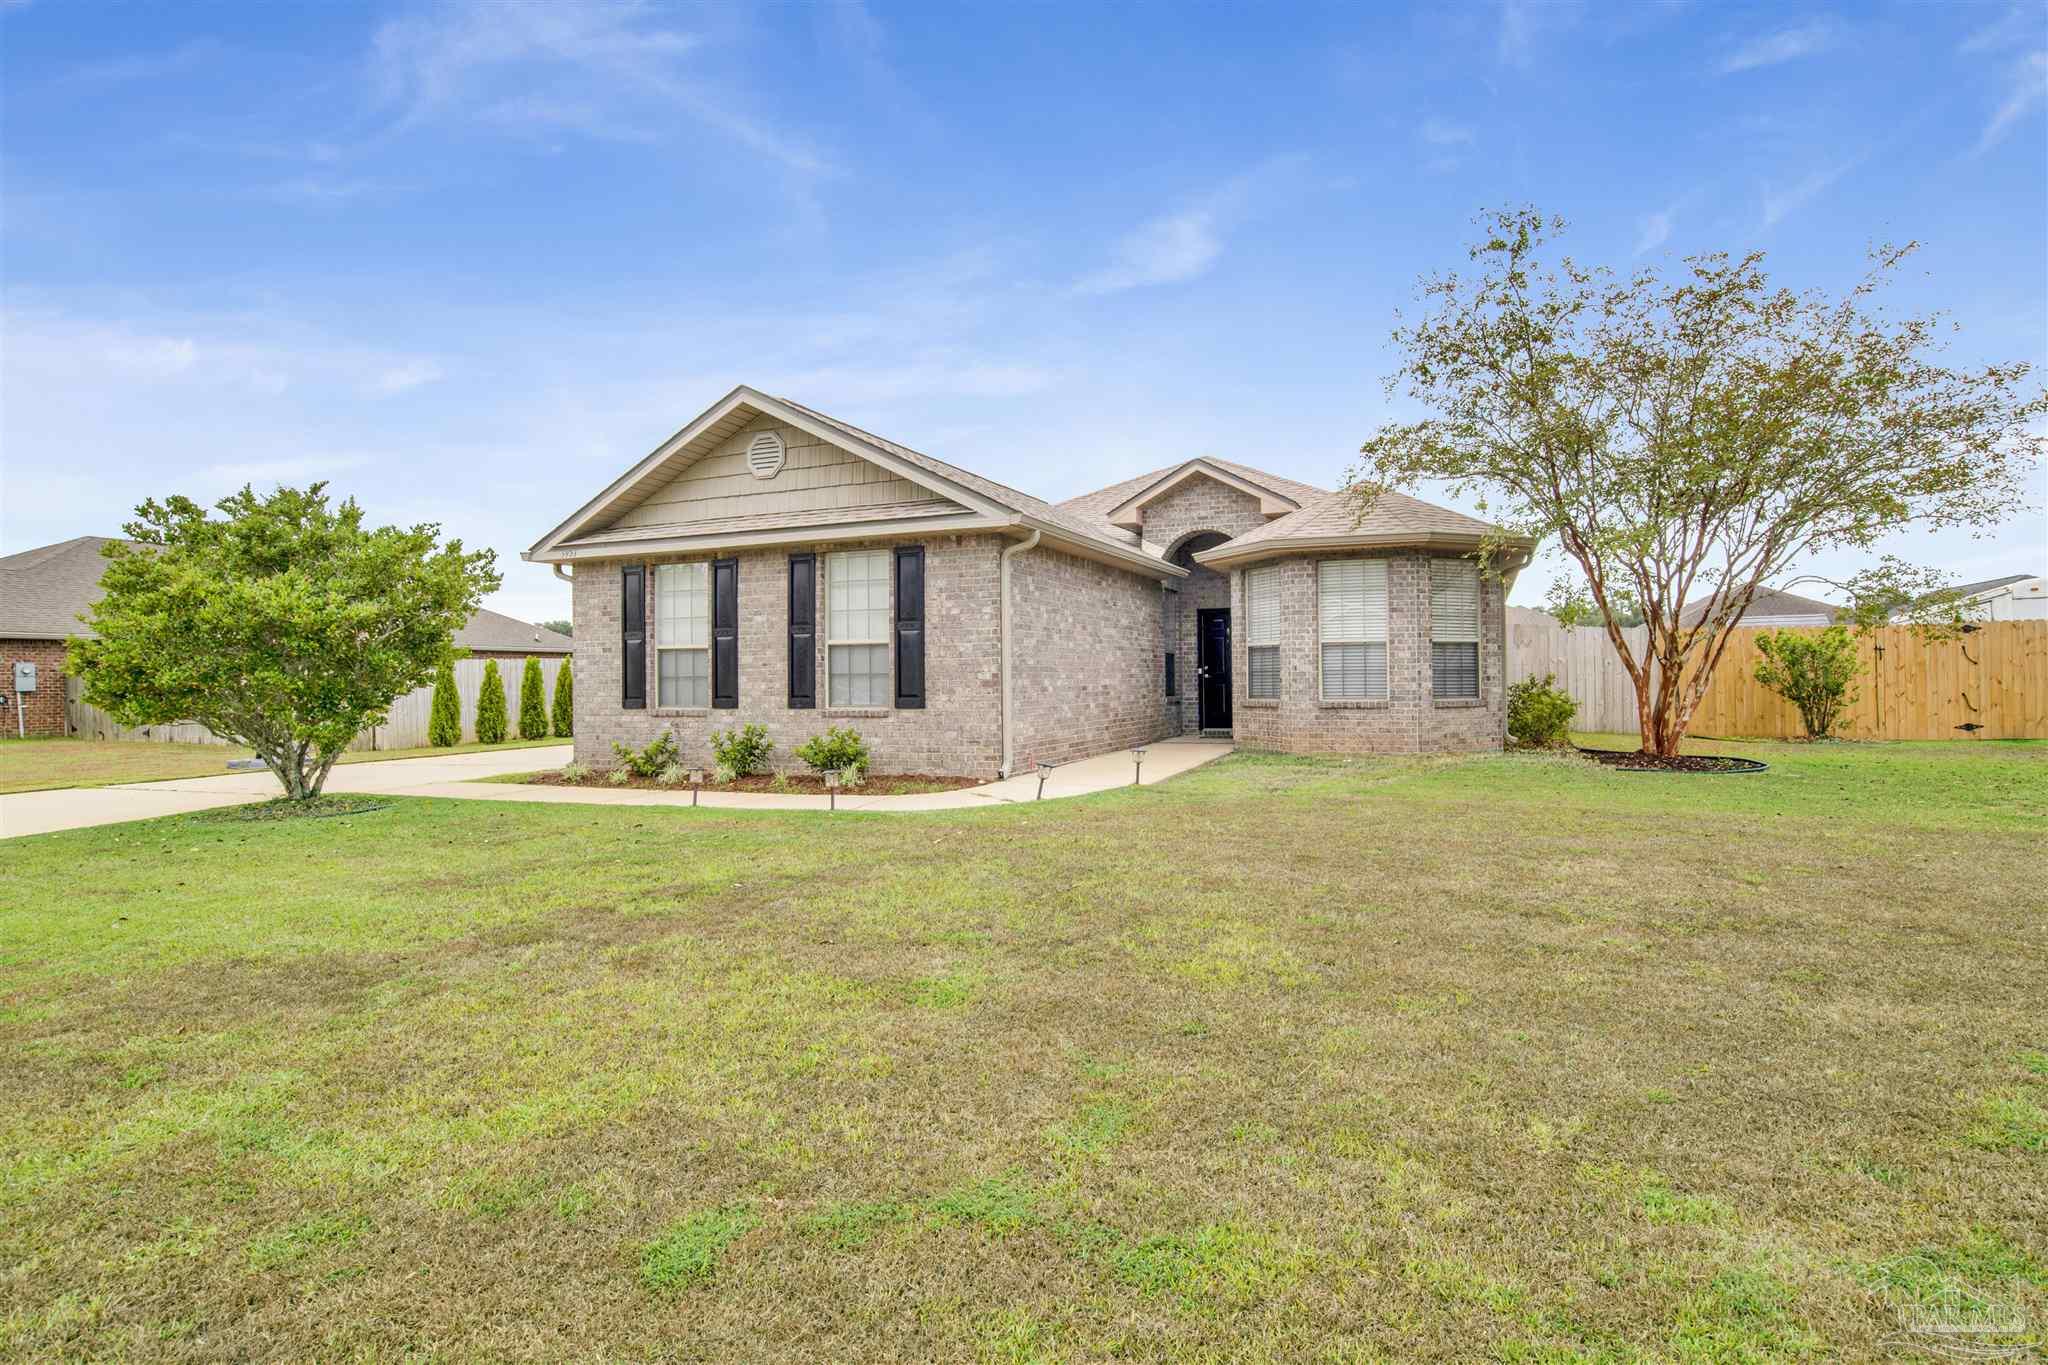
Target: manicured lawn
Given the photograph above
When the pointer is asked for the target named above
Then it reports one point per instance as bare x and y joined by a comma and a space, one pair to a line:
39, 764
1499, 1058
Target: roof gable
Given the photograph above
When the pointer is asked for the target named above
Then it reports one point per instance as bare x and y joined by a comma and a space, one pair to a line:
1129, 514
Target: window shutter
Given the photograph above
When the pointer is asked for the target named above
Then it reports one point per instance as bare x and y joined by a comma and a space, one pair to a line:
633, 637
1172, 683
803, 632
725, 633
910, 626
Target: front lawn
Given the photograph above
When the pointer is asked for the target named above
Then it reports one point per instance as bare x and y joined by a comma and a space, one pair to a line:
1503, 1058
28, 765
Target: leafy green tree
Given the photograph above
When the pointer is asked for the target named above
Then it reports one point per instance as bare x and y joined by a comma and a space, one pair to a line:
565, 702
1816, 673
533, 702
444, 721
490, 706
284, 624
559, 627
1690, 437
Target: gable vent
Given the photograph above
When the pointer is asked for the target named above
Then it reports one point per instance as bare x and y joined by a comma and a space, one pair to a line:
765, 455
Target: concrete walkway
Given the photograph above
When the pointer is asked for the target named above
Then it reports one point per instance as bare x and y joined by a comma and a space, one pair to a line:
455, 776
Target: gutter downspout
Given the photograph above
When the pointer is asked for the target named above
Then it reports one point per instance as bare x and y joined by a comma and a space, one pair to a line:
1003, 631
566, 578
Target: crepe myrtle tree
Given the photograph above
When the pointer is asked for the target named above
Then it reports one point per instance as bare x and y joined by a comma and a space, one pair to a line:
284, 623
1690, 434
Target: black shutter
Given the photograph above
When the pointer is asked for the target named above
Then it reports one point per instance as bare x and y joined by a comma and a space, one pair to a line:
725, 633
910, 626
1172, 684
803, 632
633, 637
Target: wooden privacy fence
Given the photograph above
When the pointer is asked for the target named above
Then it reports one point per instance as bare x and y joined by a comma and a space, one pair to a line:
406, 728
1995, 678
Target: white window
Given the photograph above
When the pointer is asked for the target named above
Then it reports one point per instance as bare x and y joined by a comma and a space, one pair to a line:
1454, 628
857, 628
682, 635
1262, 631
1352, 620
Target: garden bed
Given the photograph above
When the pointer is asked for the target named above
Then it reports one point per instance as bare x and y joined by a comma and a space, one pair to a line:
786, 784
1635, 761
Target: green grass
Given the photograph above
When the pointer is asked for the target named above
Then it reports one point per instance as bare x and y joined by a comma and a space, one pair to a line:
1510, 1058
28, 765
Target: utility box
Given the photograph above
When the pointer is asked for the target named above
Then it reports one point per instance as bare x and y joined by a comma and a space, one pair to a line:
24, 676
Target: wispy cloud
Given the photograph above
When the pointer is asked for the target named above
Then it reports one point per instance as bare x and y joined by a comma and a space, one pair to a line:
2027, 87
2017, 25
317, 189
402, 378
1654, 229
1781, 202
604, 71
1183, 243
1524, 24
1785, 45
1441, 132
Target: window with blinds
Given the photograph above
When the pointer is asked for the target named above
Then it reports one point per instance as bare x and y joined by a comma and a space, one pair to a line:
1352, 624
857, 628
1262, 631
1454, 628
682, 635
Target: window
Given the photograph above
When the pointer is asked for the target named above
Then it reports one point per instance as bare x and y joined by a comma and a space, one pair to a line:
682, 635
1454, 628
1262, 631
1352, 620
1172, 683
857, 628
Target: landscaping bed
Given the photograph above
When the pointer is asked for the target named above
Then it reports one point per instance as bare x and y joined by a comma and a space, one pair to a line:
1638, 762
785, 784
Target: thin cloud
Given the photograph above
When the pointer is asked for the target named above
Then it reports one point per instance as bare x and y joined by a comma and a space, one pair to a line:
2016, 26
1782, 202
1788, 44
1654, 230
2029, 86
1184, 243
1524, 24
1441, 132
406, 377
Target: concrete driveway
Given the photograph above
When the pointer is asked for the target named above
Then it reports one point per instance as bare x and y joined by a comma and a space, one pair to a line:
455, 777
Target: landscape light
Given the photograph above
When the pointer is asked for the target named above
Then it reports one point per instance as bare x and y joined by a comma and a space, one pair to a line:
696, 781
1043, 769
1138, 771
832, 789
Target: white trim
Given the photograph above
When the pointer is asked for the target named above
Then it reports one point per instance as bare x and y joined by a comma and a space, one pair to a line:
882, 641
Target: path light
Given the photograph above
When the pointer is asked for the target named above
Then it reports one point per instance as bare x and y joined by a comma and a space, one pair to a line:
1043, 770
1138, 771
696, 781
832, 788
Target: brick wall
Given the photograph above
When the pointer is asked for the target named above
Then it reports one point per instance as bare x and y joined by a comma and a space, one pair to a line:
958, 732
1409, 720
45, 705
1200, 504
1086, 643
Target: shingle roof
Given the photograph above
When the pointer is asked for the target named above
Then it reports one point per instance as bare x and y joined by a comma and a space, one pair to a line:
1335, 515
43, 590
1103, 500
773, 521
1969, 590
1767, 602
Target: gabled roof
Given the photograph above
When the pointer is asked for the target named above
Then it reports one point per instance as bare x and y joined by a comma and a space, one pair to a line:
1968, 590
1103, 501
1331, 521
1768, 602
42, 592
982, 502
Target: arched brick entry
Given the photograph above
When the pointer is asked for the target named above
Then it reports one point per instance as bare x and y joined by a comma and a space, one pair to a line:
1204, 589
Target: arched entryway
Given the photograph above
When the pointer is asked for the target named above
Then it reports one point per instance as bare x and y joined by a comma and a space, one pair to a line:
1198, 632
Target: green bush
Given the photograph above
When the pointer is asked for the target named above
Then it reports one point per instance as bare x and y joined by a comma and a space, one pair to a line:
1540, 712
490, 706
565, 702
742, 752
444, 722
836, 750
1816, 673
647, 762
533, 702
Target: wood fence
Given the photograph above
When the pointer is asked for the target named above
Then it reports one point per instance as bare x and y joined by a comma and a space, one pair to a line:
1991, 683
405, 728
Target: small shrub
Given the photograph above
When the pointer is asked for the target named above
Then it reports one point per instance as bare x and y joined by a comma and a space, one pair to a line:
444, 722
619, 776
533, 702
674, 775
575, 772
837, 750
1816, 673
648, 762
745, 750
1540, 712
565, 702
722, 775
490, 706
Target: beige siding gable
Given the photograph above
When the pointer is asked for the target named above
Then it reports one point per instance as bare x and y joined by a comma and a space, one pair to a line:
816, 476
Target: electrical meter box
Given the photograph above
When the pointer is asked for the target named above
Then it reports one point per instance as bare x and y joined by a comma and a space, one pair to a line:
24, 676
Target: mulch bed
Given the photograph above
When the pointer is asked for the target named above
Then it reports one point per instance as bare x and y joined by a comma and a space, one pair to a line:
787, 784
1638, 762
314, 808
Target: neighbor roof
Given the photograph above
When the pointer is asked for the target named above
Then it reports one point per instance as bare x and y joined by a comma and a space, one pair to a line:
1331, 521
1767, 602
42, 592
1969, 590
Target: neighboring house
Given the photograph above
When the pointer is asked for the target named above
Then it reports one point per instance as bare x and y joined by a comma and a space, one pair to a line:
1770, 608
2015, 597
43, 591
771, 564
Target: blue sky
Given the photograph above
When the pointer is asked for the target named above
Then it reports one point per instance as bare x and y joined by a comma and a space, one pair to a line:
468, 261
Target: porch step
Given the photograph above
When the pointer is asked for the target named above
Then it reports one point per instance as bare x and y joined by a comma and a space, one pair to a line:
1216, 734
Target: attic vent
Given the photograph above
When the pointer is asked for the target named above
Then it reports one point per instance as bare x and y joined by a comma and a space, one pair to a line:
764, 455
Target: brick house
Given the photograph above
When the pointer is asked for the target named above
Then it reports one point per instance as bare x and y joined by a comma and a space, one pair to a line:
771, 564
44, 590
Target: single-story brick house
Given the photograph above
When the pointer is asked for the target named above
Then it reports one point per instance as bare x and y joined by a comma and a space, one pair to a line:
769, 563
44, 590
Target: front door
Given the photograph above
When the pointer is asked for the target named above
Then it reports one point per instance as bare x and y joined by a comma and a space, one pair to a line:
1212, 659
